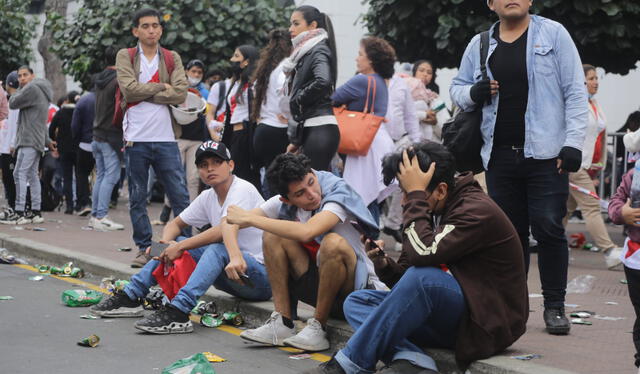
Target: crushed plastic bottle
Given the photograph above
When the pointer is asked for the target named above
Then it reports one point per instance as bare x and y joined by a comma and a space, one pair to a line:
581, 284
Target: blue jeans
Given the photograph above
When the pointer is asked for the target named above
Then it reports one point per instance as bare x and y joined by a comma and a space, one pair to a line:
533, 194
107, 176
165, 159
423, 308
211, 261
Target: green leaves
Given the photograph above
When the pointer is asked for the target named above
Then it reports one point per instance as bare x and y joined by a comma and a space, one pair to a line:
606, 32
204, 29
16, 31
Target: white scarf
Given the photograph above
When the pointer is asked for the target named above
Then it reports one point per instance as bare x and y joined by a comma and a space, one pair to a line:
301, 45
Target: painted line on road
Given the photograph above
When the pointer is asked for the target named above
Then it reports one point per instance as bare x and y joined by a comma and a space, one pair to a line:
228, 329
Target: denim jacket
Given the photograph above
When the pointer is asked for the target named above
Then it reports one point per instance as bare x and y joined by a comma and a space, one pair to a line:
557, 107
336, 190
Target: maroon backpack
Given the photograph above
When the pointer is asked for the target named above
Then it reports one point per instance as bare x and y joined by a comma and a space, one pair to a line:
118, 114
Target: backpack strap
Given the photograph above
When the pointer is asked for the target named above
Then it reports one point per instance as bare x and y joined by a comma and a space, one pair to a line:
169, 62
132, 54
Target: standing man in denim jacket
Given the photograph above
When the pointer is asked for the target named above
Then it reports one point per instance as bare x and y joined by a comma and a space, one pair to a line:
533, 126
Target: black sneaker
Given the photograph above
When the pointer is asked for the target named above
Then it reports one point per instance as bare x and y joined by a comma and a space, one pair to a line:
167, 320
556, 321
6, 213
16, 218
118, 305
330, 367
35, 216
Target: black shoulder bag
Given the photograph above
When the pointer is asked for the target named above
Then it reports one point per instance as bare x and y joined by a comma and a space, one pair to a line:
461, 134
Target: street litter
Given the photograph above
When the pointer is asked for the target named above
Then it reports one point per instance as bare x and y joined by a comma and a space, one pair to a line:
624, 281
154, 299
91, 341
89, 316
303, 356
36, 278
233, 318
209, 320
124, 249
606, 318
205, 307
580, 315
111, 284
581, 284
196, 364
580, 321
6, 258
81, 297
611, 303
6, 297
571, 305
35, 228
213, 357
535, 295
86, 228
67, 270
18, 228
527, 357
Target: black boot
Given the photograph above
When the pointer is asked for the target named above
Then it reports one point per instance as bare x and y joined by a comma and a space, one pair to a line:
556, 321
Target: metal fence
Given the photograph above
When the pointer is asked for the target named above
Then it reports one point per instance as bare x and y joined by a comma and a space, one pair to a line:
616, 167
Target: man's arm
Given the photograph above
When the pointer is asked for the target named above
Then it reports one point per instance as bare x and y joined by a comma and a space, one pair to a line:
176, 92
237, 265
22, 98
173, 229
460, 89
132, 90
575, 93
298, 231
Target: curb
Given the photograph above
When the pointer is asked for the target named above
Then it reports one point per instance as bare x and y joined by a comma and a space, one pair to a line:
255, 313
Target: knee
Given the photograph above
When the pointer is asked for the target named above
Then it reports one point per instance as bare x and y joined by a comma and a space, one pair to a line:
270, 242
334, 246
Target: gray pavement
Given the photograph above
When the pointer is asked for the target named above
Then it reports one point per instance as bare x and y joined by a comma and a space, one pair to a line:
39, 335
604, 347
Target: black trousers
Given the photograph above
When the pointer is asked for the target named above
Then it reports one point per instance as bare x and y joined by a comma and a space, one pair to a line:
84, 166
633, 283
320, 144
269, 142
8, 162
67, 162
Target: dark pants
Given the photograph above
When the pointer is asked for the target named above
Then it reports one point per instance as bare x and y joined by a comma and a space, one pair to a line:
243, 156
533, 194
84, 166
633, 283
320, 144
67, 162
8, 162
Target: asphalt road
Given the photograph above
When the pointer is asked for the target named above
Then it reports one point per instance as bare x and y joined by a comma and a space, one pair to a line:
38, 334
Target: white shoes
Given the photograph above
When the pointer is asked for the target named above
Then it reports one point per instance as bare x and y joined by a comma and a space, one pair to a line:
273, 332
612, 258
104, 224
312, 338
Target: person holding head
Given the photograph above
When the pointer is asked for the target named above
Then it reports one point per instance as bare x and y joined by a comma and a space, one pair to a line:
227, 257
593, 159
106, 145
430, 108
270, 109
7, 145
311, 78
457, 245
364, 173
60, 132
312, 249
534, 115
150, 132
32, 99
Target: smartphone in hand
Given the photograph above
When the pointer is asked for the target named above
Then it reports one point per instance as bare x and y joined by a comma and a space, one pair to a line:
244, 278
374, 245
157, 249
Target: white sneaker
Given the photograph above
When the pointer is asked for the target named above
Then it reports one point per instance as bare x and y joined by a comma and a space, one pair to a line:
312, 338
109, 224
612, 258
273, 332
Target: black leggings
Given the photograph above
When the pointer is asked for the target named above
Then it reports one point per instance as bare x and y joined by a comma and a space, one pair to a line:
8, 162
269, 142
320, 144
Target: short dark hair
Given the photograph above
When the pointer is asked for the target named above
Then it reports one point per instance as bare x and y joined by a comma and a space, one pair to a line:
287, 168
587, 68
145, 12
381, 54
433, 86
427, 153
110, 55
25, 67
633, 121
71, 97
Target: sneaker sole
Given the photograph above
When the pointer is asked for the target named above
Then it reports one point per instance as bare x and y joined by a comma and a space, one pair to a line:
307, 348
172, 328
257, 339
119, 313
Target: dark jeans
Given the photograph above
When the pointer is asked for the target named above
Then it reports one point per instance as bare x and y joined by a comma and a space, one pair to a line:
84, 166
67, 162
633, 283
533, 194
8, 163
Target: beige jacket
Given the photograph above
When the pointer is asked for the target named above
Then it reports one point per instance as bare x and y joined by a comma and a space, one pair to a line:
134, 91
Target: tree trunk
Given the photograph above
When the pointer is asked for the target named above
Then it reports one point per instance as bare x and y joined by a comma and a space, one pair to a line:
52, 64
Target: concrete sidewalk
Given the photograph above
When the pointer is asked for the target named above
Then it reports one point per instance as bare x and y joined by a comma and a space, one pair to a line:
604, 347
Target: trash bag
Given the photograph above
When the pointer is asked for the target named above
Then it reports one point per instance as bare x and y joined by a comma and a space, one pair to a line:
196, 364
81, 297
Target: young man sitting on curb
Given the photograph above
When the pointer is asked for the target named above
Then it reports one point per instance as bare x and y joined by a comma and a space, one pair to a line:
312, 250
236, 253
479, 306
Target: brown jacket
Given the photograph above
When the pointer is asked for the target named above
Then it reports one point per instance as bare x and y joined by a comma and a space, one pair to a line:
134, 91
480, 246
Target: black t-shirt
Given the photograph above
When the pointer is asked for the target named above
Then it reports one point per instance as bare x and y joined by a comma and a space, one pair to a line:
508, 63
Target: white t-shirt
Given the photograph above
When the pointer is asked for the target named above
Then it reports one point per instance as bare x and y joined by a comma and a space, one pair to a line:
8, 131
241, 111
214, 96
148, 122
271, 208
206, 209
274, 98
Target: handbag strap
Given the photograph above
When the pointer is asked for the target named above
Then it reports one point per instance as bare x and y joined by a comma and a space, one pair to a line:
373, 99
484, 52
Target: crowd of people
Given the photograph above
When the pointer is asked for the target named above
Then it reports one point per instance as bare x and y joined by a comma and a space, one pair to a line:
267, 207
